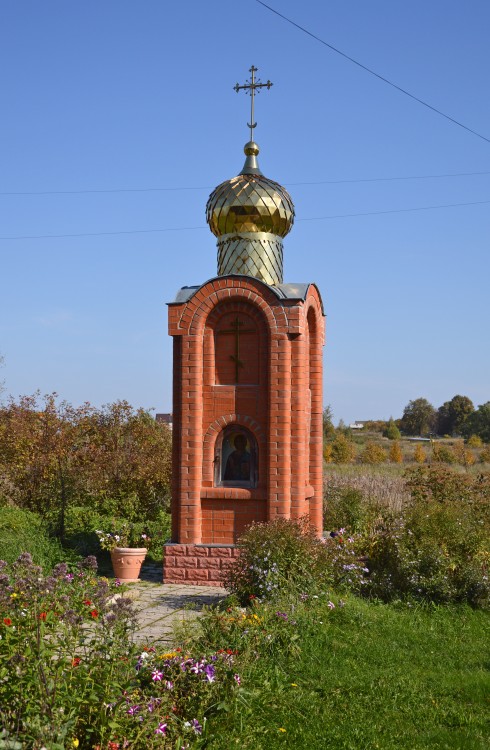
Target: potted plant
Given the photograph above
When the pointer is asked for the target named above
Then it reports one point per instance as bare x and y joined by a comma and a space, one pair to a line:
128, 547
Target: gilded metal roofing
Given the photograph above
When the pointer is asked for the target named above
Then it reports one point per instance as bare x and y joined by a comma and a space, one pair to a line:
250, 203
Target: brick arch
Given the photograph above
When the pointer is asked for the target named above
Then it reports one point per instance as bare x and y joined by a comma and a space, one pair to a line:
214, 430
263, 300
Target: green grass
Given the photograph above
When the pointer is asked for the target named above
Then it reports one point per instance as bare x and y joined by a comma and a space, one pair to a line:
368, 676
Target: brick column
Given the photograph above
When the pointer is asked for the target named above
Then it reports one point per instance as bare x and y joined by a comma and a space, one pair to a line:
299, 437
192, 440
279, 429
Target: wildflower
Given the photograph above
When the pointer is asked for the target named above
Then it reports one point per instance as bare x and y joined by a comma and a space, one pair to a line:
14, 595
282, 615
237, 679
75, 661
94, 614
117, 582
7, 621
281, 729
169, 685
156, 676
42, 616
69, 577
209, 671
87, 602
293, 684
196, 726
132, 710
330, 605
75, 742
161, 729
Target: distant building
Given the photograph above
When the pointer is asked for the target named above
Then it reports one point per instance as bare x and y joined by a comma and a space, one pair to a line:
165, 418
356, 426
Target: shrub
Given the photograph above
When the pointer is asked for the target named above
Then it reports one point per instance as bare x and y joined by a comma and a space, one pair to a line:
391, 431
396, 455
327, 453
24, 531
438, 549
373, 454
343, 450
443, 454
474, 441
419, 455
485, 455
286, 556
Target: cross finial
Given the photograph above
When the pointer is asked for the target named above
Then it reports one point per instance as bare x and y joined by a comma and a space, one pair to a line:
250, 87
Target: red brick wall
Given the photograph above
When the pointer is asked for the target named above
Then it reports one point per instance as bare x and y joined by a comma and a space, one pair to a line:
278, 398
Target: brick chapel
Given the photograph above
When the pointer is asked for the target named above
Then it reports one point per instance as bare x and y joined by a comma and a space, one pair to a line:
247, 382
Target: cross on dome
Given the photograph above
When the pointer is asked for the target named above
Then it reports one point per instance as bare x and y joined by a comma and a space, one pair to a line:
250, 87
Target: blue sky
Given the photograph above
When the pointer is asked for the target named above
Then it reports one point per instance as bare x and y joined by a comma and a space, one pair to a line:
128, 96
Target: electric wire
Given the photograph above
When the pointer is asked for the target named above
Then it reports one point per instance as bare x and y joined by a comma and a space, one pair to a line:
372, 72
185, 229
211, 187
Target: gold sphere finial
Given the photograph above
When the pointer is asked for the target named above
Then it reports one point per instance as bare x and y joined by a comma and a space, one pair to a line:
251, 149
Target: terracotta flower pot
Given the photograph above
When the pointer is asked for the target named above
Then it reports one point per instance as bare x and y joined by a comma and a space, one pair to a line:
127, 562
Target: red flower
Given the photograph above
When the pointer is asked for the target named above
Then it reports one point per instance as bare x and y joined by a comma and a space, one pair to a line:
75, 661
7, 621
94, 614
87, 602
42, 616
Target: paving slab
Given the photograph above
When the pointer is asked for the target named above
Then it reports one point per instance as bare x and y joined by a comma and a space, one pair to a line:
160, 606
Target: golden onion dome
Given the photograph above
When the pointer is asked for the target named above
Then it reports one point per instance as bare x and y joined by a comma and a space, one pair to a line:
250, 202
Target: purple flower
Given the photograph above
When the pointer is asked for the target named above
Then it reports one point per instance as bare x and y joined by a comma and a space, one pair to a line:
282, 615
237, 679
161, 729
169, 685
209, 671
330, 605
132, 710
117, 582
196, 726
156, 676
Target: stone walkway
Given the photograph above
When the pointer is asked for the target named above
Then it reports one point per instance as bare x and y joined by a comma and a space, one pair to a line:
160, 606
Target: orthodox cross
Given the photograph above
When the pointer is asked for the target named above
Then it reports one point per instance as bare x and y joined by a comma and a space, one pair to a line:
236, 328
251, 86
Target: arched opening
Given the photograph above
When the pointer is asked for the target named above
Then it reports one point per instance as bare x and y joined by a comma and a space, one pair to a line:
236, 458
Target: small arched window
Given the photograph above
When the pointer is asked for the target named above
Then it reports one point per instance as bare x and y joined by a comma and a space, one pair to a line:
236, 459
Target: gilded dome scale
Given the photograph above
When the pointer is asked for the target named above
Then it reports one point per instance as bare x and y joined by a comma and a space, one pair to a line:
250, 202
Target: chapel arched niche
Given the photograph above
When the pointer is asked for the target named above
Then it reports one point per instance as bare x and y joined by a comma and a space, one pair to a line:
236, 458
235, 361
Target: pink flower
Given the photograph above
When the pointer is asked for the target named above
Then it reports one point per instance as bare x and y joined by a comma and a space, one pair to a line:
330, 605
156, 676
237, 679
161, 729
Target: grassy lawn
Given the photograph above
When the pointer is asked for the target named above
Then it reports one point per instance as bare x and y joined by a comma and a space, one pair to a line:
367, 676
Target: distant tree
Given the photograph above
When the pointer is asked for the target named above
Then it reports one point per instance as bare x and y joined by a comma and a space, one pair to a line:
478, 423
443, 454
391, 431
343, 450
328, 427
396, 455
373, 453
419, 417
452, 415
419, 455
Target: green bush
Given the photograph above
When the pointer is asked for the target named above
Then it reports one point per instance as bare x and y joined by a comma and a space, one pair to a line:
283, 557
438, 549
344, 508
373, 454
24, 531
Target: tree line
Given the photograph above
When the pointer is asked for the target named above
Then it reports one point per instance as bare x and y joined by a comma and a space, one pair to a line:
115, 459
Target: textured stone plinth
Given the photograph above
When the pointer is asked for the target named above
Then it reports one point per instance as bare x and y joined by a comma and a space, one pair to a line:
197, 564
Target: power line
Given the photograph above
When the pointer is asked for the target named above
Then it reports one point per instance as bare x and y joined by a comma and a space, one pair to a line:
372, 72
184, 229
288, 184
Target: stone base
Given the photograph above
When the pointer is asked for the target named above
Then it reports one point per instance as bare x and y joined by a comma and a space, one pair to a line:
197, 564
